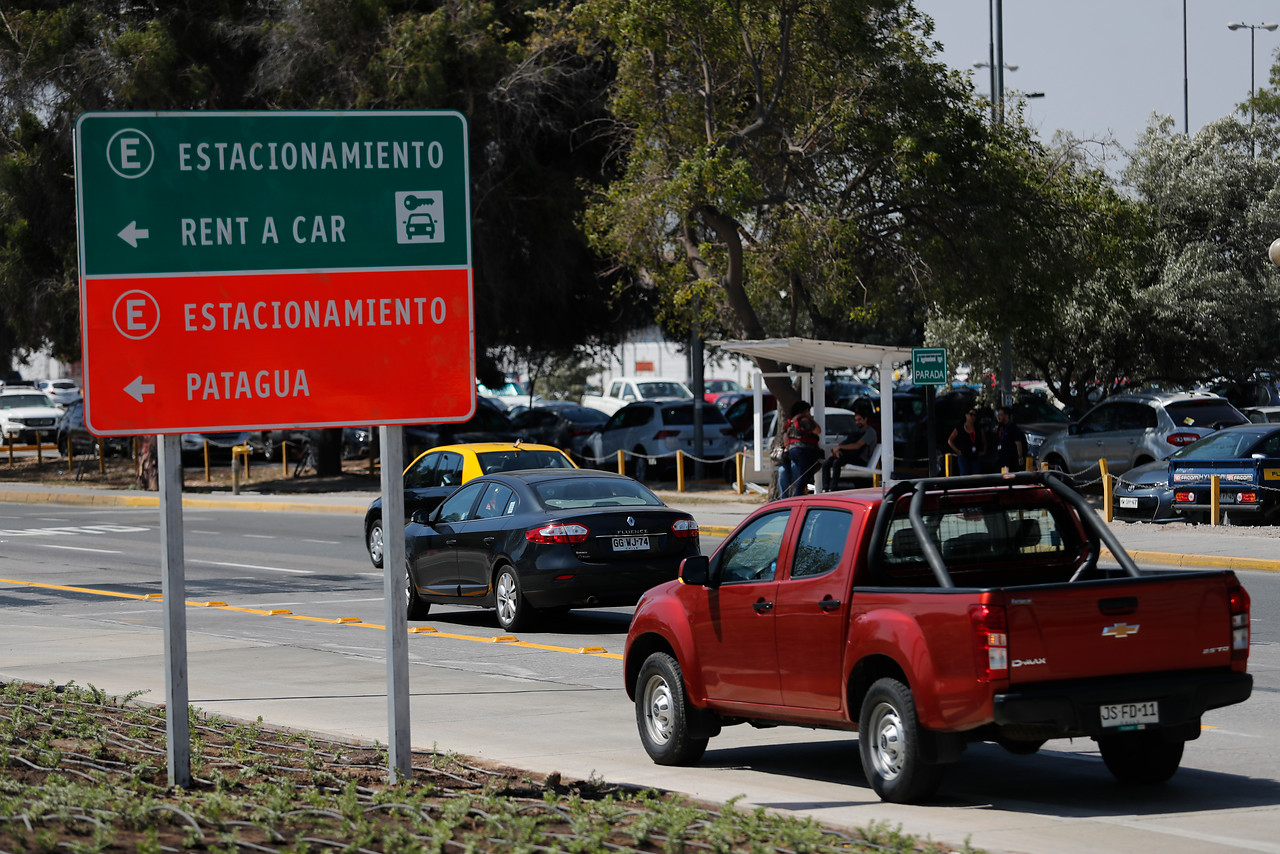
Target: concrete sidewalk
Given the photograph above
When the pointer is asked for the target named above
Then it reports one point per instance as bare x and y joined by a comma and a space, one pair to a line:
718, 512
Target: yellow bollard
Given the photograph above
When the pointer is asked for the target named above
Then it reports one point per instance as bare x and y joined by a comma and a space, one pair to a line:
1030, 463
242, 452
946, 464
679, 471
622, 462
738, 463
284, 459
206, 461
1102, 467
1107, 487
1215, 499
102, 455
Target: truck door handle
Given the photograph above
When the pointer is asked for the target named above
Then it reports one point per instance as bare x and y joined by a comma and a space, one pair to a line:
829, 604
450, 542
761, 606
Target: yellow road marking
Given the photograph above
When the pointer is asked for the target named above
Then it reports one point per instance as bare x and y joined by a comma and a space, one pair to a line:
430, 631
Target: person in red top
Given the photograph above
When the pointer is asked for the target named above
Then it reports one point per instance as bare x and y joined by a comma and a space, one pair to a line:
969, 443
803, 456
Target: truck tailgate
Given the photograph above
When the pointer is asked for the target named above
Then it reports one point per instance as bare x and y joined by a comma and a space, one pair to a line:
1171, 621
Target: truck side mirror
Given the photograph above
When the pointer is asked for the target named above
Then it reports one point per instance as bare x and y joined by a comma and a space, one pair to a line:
696, 570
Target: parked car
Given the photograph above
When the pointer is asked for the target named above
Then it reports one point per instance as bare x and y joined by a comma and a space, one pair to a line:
653, 431
1133, 429
1246, 461
713, 389
532, 541
1242, 393
561, 423
27, 415
434, 474
220, 444
838, 423
1262, 414
739, 410
1143, 493
71, 429
61, 392
489, 423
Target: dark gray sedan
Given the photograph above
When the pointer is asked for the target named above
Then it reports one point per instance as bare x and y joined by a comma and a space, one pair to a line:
547, 540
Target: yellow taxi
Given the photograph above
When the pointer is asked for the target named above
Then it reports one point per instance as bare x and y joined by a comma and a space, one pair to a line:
435, 473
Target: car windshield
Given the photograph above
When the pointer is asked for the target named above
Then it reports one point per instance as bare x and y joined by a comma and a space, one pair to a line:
586, 492
1226, 444
657, 389
719, 386
1032, 408
1204, 413
513, 460
682, 416
14, 401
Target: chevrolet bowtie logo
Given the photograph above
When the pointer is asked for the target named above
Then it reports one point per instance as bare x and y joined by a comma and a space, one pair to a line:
1119, 630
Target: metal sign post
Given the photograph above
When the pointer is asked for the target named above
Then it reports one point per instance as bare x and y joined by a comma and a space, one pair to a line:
395, 587
173, 588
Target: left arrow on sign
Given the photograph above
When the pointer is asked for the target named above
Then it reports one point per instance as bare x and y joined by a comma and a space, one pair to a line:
138, 388
131, 234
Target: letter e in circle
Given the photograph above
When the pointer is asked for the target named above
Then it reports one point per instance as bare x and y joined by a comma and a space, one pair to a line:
136, 314
130, 153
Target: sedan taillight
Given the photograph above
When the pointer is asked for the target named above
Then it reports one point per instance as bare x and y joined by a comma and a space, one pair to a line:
685, 528
558, 533
1180, 439
666, 434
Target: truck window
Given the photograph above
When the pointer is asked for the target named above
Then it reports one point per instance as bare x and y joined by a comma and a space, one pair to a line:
753, 554
822, 539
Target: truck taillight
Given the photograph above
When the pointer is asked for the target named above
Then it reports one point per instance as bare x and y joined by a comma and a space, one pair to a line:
1180, 439
991, 636
1238, 605
1247, 498
1184, 497
685, 528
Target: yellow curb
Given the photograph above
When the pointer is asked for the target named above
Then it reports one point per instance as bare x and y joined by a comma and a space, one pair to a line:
1208, 561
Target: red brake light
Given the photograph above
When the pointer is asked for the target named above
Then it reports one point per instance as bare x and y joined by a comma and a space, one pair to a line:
1238, 605
558, 533
1184, 497
1180, 439
685, 528
666, 434
1247, 498
991, 641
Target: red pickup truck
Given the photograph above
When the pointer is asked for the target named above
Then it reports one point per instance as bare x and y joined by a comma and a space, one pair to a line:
944, 612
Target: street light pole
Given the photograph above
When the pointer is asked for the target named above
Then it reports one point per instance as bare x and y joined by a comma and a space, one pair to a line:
1253, 29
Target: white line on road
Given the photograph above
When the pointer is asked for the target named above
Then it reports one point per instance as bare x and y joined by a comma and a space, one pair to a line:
260, 536
252, 566
79, 549
324, 542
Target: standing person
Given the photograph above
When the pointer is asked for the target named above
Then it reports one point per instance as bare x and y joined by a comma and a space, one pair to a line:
1011, 442
856, 449
969, 443
800, 437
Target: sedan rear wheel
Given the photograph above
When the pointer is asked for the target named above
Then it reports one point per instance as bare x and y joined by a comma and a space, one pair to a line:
375, 543
513, 611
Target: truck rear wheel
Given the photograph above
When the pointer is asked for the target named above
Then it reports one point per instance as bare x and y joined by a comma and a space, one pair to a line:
889, 738
1141, 758
664, 713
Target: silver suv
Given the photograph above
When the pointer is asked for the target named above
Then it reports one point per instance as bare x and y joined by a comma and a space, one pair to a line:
1130, 430
653, 431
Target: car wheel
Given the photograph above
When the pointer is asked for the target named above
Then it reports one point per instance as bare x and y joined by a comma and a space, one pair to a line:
513, 611
1140, 758
663, 713
415, 608
375, 542
889, 744
641, 467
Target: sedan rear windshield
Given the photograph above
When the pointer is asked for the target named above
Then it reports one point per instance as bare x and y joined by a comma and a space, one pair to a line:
514, 460
577, 493
682, 416
1205, 413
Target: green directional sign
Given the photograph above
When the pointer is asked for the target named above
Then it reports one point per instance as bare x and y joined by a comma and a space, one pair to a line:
230, 192
929, 365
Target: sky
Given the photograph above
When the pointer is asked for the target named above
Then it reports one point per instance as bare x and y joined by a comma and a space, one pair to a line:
1105, 65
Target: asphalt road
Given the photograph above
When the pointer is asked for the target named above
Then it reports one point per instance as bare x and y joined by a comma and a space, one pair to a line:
73, 582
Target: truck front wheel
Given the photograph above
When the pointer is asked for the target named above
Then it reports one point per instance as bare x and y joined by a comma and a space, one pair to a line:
664, 713
889, 738
1141, 758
